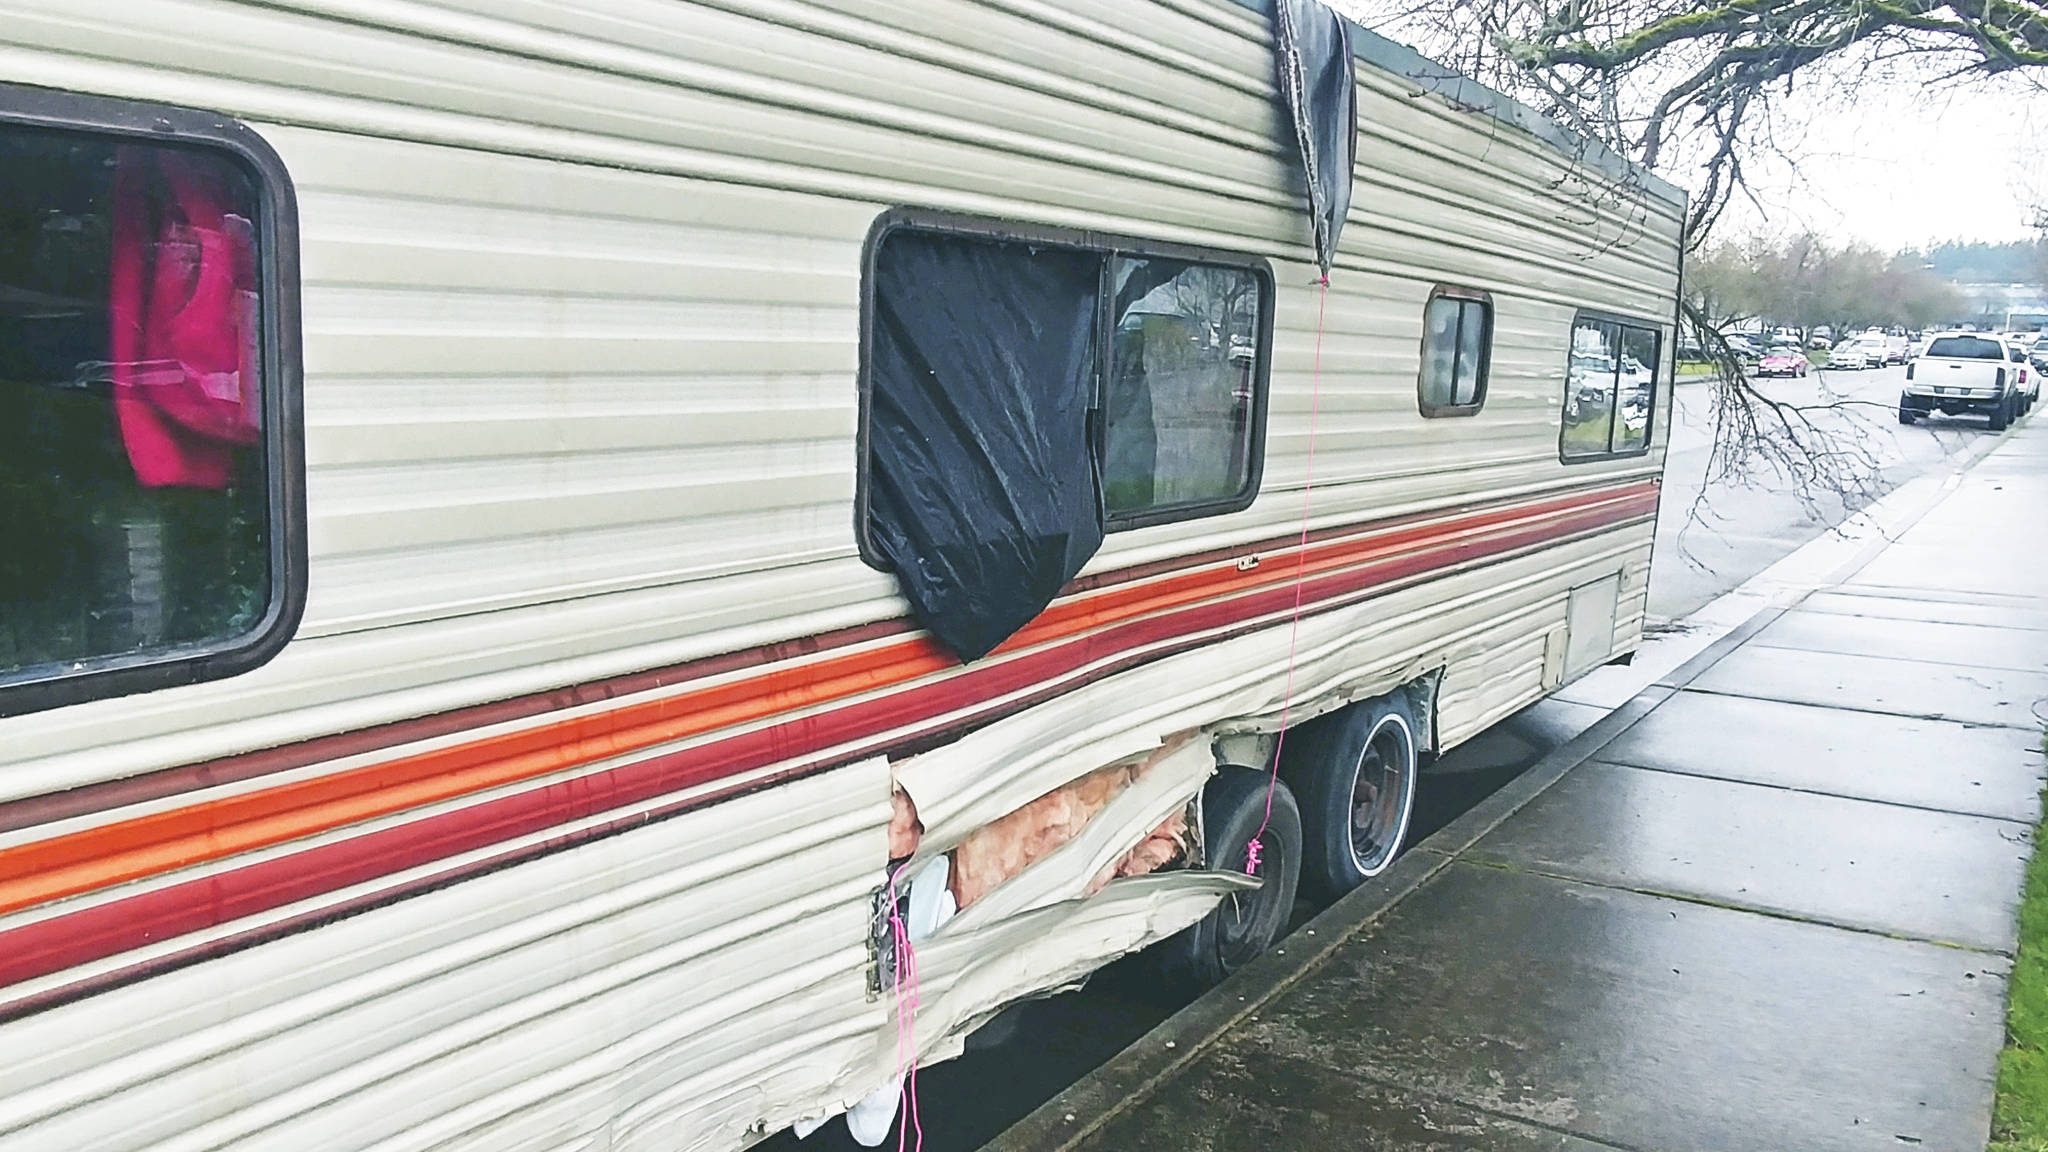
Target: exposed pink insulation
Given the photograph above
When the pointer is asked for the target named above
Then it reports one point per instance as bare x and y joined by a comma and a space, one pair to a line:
905, 829
997, 851
1166, 844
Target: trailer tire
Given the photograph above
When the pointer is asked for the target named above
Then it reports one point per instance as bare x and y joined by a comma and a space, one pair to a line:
1243, 926
1354, 773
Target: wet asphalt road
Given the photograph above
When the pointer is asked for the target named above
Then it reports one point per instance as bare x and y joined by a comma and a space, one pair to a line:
1710, 538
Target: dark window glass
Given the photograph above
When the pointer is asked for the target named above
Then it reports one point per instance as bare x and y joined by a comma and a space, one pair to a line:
1457, 337
1178, 401
134, 509
1965, 348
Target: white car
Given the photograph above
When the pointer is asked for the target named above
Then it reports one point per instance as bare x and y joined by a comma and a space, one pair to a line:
1851, 354
1970, 372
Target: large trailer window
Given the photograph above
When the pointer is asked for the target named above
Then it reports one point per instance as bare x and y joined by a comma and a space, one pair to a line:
1610, 389
140, 502
1026, 391
1457, 350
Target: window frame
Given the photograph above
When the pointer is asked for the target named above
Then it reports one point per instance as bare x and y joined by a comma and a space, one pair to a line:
1657, 383
1469, 296
43, 687
1108, 246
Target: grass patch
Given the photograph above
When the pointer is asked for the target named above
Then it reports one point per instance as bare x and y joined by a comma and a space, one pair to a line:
1695, 368
2019, 1120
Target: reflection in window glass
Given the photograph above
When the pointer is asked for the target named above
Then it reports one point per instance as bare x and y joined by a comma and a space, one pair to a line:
132, 486
1637, 385
1178, 400
1472, 353
1456, 334
1610, 389
1589, 388
1439, 352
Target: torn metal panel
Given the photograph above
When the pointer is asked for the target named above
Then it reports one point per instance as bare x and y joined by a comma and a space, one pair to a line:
989, 773
966, 974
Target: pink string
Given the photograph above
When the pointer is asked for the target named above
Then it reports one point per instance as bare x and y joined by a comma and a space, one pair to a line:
907, 1003
1300, 572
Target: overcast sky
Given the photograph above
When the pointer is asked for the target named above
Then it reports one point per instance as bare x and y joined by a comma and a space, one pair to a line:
1904, 165
1893, 156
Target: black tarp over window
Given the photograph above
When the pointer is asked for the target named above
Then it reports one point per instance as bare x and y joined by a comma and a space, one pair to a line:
1312, 50
982, 493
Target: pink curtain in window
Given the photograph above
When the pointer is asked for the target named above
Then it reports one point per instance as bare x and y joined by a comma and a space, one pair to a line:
184, 314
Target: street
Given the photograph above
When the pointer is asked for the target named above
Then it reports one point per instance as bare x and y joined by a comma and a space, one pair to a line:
1709, 540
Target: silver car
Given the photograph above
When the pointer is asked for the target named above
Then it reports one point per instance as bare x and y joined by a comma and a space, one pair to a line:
1849, 356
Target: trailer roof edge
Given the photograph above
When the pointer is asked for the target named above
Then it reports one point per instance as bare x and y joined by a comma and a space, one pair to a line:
1400, 60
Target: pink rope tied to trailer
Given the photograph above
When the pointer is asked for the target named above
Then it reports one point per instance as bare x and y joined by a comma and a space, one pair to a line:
907, 1003
1315, 393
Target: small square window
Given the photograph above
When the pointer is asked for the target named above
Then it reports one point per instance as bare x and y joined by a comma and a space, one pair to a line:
1457, 344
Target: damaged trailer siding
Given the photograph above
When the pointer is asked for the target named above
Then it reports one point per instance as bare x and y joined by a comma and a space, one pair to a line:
559, 820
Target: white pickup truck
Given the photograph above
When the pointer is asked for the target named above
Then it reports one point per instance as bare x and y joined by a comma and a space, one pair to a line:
1968, 372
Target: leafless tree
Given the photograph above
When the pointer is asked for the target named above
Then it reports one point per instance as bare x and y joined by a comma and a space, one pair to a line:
1695, 84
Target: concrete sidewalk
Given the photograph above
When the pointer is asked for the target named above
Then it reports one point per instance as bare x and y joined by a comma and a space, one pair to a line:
1768, 903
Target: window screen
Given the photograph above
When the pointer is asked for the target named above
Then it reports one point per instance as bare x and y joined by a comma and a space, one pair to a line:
136, 494
1610, 389
1179, 397
1024, 396
1457, 345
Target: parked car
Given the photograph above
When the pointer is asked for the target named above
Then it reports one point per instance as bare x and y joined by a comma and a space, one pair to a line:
1784, 360
1851, 354
1819, 343
1967, 372
1897, 349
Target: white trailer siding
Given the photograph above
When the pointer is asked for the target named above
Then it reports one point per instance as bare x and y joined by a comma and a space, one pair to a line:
581, 299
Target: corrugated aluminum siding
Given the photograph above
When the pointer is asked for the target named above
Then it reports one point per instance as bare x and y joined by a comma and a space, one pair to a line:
613, 381
581, 315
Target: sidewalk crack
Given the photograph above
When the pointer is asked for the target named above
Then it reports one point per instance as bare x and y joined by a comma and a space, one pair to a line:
1703, 901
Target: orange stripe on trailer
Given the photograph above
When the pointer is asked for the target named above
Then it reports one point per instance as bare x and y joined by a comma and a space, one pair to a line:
131, 849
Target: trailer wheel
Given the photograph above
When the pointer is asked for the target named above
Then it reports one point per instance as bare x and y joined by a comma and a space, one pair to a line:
1355, 777
1246, 923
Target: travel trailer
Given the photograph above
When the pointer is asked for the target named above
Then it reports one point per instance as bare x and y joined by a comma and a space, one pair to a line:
615, 574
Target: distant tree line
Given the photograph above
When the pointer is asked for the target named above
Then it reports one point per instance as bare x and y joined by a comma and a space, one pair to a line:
1804, 283
2016, 262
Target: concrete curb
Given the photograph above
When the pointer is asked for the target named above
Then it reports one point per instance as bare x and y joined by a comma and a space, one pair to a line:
1130, 1076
